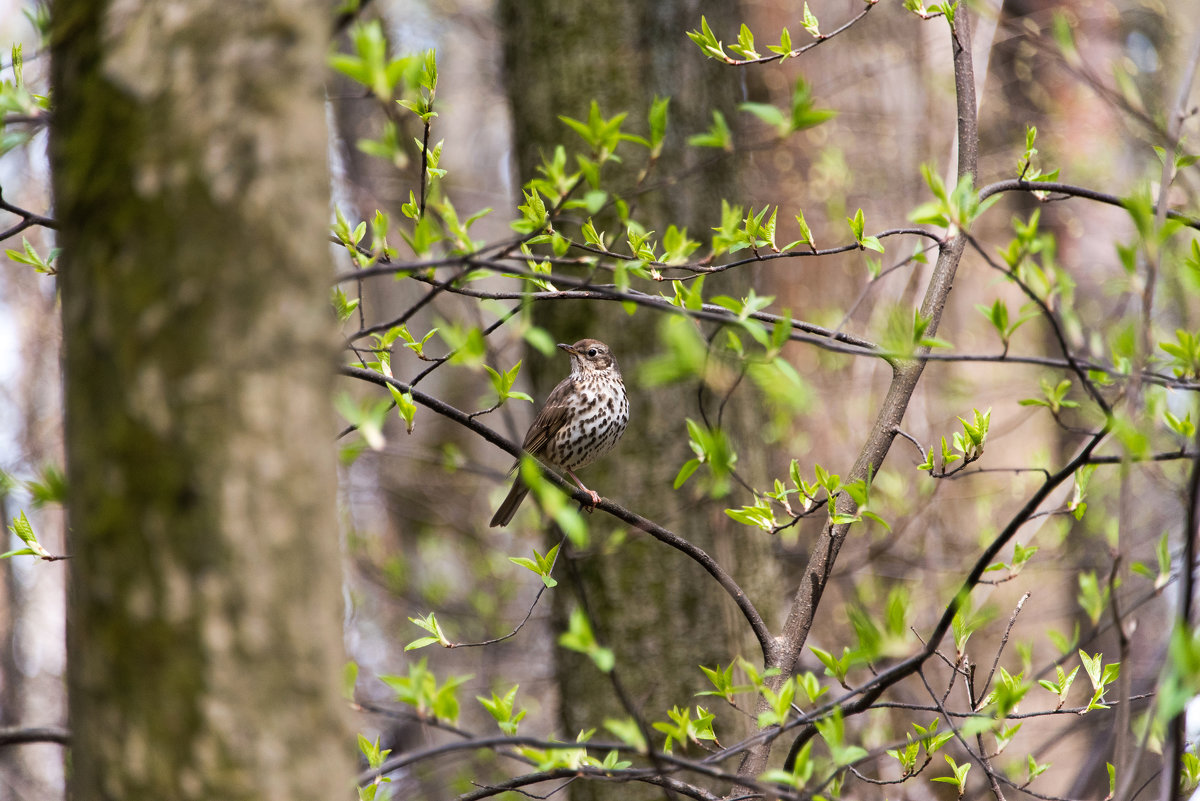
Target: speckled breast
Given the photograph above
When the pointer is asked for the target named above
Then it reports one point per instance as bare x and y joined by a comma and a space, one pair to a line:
600, 417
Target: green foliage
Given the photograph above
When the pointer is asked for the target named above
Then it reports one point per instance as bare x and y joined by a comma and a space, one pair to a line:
1152, 235
707, 41
810, 23
1077, 505
1061, 686
1093, 597
423, 80
420, 690
541, 565
627, 731
801, 774
745, 43
547, 759
801, 115
28, 255
713, 449
50, 486
722, 681
1064, 644
1189, 776
919, 8
366, 415
1021, 556
1162, 575
958, 776
23, 530
369, 64
579, 637
955, 209
1101, 676
906, 336
375, 758
966, 622
833, 731
928, 740
1053, 397
430, 624
838, 667
343, 306
998, 315
559, 221
503, 710
779, 703
718, 134
1184, 353
1025, 165
1007, 694
350, 239
683, 729
857, 226
759, 515
502, 382
1181, 676
557, 506
601, 135
17, 99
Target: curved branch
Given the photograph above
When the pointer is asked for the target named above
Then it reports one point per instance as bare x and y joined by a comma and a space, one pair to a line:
906, 374
28, 219
825, 37
828, 339
663, 535
1070, 190
1050, 318
863, 697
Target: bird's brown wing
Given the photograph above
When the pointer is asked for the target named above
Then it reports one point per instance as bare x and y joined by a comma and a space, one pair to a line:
551, 418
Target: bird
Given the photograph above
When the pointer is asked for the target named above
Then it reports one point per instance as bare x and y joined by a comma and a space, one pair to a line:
581, 420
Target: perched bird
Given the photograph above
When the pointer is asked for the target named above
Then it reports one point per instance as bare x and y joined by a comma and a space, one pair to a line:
582, 420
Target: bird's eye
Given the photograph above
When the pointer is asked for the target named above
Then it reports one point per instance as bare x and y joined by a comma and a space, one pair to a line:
592, 352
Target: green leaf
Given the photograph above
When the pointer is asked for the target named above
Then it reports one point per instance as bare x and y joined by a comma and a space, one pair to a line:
810, 23
430, 624
405, 406
602, 135
718, 134
28, 255
579, 638
745, 44
769, 114
22, 528
658, 124
503, 710
784, 48
706, 40
541, 565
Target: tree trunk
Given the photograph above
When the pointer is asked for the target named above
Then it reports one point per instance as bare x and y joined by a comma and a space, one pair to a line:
188, 150
660, 612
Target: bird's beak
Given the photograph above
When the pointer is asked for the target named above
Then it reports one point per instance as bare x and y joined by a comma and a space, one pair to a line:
567, 348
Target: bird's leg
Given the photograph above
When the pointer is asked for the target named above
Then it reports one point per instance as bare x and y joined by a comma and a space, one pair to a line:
595, 495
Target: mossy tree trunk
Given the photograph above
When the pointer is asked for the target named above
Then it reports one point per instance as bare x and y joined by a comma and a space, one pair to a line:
189, 159
661, 613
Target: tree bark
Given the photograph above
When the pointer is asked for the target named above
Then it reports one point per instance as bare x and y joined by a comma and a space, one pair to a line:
661, 613
188, 150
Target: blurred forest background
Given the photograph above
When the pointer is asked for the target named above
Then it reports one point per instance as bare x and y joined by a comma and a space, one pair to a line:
415, 511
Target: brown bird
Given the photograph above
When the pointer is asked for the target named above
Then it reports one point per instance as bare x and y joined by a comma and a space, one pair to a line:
582, 420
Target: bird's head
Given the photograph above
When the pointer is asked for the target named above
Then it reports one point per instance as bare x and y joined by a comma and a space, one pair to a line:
590, 356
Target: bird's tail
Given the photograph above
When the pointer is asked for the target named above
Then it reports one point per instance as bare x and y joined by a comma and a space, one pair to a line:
513, 500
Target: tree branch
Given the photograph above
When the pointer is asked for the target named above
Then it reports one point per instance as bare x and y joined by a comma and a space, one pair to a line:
905, 376
663, 535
